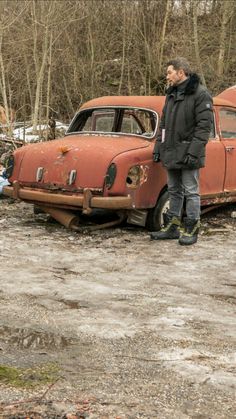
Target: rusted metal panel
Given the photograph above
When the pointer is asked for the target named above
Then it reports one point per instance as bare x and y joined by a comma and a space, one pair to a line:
229, 95
27, 194
149, 102
89, 158
213, 174
66, 218
214, 200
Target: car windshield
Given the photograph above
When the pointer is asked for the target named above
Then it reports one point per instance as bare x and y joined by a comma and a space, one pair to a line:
116, 121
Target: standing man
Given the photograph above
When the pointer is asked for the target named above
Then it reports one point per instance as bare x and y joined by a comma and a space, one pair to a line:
183, 134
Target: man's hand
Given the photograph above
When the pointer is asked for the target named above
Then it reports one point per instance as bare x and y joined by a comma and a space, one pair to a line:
156, 157
191, 161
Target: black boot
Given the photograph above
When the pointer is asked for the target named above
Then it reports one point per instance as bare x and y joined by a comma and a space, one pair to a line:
190, 233
171, 229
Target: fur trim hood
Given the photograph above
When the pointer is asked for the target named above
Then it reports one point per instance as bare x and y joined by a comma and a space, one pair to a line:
191, 85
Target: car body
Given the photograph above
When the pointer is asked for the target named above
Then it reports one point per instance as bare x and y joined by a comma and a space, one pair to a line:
105, 161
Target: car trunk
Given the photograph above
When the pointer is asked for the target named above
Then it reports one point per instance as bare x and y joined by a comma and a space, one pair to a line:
89, 155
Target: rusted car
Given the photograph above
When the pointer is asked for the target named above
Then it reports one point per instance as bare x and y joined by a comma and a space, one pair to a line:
105, 162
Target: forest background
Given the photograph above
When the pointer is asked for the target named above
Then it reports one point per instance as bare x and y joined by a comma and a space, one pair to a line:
56, 54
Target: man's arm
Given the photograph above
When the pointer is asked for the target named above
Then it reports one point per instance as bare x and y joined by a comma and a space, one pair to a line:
203, 123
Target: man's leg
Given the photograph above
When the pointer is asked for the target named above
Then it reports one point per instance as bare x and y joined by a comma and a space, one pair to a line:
190, 179
176, 192
171, 229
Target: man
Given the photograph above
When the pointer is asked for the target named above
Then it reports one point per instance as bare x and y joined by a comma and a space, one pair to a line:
183, 133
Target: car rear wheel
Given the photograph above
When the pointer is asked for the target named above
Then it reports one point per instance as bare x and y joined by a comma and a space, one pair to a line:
155, 215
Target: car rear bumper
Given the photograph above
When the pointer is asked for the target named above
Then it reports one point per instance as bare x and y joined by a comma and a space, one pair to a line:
85, 201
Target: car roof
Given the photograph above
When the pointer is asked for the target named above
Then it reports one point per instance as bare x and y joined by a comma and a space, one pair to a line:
229, 94
148, 102
222, 102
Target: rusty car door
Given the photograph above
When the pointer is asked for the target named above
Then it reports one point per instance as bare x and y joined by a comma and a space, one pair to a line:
227, 122
213, 174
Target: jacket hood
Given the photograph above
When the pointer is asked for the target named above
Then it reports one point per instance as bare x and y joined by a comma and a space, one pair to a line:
191, 85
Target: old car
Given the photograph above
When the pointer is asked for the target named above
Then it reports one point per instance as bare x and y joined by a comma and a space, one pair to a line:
105, 162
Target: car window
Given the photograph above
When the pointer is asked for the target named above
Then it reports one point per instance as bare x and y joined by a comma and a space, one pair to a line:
99, 121
228, 122
213, 129
88, 124
115, 120
130, 125
138, 122
104, 123
212, 132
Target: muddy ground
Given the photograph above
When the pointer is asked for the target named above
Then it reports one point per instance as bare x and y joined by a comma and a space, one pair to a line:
123, 326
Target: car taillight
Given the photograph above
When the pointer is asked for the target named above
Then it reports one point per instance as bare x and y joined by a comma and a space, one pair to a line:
9, 165
110, 176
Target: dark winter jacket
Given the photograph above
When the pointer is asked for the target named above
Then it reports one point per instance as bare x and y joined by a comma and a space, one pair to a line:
185, 125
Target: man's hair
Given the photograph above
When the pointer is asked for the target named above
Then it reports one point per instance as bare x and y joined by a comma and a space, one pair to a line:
180, 63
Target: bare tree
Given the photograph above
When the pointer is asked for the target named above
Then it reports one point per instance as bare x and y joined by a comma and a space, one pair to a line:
163, 34
56, 54
196, 41
227, 8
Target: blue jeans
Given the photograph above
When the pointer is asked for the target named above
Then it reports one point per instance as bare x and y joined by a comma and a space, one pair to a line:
184, 183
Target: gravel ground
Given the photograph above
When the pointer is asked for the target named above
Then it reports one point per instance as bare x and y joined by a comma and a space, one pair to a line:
133, 328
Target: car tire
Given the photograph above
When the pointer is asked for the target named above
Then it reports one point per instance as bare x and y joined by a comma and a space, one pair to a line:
155, 215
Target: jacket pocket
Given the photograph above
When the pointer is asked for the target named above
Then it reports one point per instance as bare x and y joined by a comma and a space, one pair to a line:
182, 150
162, 149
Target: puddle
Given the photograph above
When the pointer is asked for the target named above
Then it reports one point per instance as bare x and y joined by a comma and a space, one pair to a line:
28, 338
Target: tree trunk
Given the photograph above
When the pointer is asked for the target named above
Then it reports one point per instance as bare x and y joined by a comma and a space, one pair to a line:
3, 86
28, 82
123, 51
39, 81
91, 62
196, 42
163, 36
227, 8
49, 82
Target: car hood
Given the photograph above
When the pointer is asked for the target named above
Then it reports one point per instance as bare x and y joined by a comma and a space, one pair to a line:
89, 155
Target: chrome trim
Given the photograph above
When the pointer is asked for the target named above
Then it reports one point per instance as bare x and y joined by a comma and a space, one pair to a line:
72, 176
39, 174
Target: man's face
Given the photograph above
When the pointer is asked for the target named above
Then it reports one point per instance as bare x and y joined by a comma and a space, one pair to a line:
174, 77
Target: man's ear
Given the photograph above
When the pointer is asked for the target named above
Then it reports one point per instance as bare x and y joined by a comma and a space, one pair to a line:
181, 73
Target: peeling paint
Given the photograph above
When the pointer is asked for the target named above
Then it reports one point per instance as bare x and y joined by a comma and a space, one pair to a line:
144, 174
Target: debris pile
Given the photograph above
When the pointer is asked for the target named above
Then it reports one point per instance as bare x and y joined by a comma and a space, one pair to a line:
42, 132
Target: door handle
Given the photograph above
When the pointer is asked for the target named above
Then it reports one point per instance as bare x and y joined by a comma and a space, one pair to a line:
230, 148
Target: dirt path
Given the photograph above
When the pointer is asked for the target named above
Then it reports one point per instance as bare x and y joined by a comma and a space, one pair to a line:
133, 328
